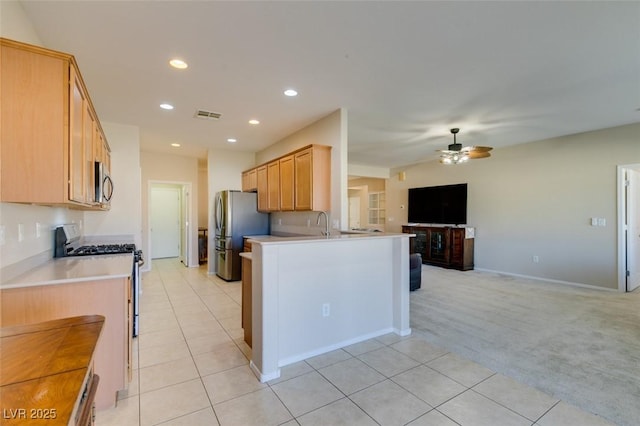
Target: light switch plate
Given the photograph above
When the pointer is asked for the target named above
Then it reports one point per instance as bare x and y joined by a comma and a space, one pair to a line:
2, 235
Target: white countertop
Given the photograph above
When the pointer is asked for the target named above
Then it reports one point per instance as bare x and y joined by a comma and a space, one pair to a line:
336, 236
74, 269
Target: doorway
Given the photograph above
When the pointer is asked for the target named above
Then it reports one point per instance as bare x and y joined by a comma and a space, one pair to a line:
168, 221
354, 211
628, 227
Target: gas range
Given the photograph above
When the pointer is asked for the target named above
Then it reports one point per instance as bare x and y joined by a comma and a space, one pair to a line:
97, 249
68, 243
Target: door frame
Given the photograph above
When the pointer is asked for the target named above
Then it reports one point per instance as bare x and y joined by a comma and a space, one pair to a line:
185, 227
622, 225
171, 199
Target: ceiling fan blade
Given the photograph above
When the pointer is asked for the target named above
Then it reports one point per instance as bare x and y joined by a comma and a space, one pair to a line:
478, 154
477, 148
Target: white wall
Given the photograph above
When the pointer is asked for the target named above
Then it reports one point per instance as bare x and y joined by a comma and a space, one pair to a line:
203, 194
170, 168
332, 131
15, 25
364, 281
537, 199
124, 217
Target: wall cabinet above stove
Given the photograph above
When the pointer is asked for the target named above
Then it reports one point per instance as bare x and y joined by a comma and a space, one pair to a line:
51, 135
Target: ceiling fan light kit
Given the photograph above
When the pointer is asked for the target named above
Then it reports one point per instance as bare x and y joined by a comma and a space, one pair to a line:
456, 154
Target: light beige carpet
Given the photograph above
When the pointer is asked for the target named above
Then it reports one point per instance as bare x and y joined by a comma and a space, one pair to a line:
579, 345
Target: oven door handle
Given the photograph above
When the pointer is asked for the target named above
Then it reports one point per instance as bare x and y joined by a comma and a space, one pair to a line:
140, 259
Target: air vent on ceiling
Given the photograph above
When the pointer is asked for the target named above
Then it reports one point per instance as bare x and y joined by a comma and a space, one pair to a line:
207, 115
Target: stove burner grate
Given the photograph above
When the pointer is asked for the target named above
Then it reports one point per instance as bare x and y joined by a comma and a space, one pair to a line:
103, 249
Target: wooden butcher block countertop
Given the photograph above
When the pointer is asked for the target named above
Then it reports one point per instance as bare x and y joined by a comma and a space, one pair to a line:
44, 368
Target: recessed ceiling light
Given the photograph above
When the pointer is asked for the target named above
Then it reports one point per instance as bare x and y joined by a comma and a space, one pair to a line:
232, 140
178, 63
166, 106
290, 92
254, 121
176, 145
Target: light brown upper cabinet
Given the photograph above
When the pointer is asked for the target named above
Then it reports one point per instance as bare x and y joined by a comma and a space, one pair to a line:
250, 180
313, 178
261, 176
299, 180
49, 129
273, 186
287, 183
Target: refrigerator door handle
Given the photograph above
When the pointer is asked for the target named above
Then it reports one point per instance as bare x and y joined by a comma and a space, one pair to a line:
218, 213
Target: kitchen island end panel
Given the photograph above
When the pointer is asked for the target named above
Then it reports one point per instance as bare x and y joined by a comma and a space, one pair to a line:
314, 296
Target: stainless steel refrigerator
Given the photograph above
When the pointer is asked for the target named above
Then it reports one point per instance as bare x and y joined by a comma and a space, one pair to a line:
236, 216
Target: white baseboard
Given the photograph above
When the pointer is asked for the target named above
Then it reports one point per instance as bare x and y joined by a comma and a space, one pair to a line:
549, 280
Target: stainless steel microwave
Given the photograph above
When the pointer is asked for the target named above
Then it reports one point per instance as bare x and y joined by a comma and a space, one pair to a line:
103, 184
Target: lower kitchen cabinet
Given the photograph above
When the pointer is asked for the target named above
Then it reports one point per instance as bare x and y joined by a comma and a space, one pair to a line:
47, 371
110, 298
246, 298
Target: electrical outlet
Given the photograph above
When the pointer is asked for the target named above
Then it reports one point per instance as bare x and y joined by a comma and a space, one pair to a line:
535, 259
38, 229
326, 309
602, 221
2, 235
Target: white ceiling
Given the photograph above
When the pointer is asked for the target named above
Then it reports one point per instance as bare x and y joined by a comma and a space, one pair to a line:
504, 72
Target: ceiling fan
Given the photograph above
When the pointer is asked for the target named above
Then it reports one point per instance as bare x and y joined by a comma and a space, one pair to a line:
457, 154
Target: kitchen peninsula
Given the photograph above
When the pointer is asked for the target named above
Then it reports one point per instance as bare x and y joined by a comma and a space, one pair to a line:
312, 295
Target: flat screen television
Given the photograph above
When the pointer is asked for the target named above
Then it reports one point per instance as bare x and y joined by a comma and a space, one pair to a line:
446, 204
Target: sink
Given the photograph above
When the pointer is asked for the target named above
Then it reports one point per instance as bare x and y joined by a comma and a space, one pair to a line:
359, 231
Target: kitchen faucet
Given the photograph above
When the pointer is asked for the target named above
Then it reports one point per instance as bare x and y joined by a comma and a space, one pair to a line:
326, 223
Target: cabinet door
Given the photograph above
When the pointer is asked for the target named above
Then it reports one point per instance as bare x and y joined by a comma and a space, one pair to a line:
33, 149
246, 300
286, 184
89, 134
273, 186
76, 144
97, 146
250, 181
106, 152
438, 245
303, 180
261, 175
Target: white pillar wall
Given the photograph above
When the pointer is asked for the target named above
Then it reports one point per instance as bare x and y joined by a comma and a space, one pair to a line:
364, 281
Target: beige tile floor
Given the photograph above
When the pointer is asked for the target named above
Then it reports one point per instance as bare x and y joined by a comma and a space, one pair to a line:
191, 368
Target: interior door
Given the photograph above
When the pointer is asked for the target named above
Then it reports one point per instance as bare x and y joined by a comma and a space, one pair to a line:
633, 229
165, 221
